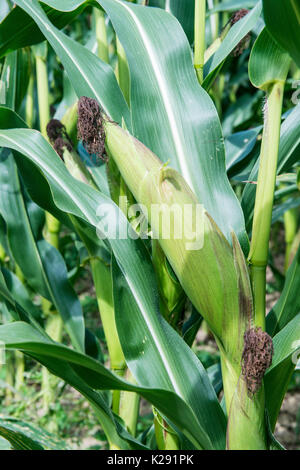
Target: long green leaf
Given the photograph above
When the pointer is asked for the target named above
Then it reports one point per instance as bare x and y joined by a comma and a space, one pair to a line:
114, 431
42, 265
183, 11
18, 29
94, 375
236, 33
232, 5
31, 175
283, 22
286, 353
286, 342
268, 62
24, 436
19, 292
88, 74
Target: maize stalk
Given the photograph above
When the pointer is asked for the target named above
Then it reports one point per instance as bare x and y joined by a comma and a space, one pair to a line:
101, 34
199, 48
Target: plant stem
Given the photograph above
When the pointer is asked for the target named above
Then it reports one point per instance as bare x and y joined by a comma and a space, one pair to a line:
123, 71
101, 34
9, 377
19, 356
19, 273
216, 44
166, 438
54, 322
2, 253
69, 120
52, 224
214, 19
103, 285
20, 368
129, 406
43, 92
259, 248
199, 47
290, 219
54, 328
29, 110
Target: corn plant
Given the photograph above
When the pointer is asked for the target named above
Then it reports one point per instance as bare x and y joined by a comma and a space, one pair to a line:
140, 124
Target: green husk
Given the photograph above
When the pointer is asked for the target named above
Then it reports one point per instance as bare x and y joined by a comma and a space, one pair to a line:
208, 275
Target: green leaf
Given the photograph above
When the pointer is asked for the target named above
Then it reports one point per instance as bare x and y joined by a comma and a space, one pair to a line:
268, 62
30, 174
21, 231
286, 342
240, 112
25, 436
233, 5
58, 366
283, 23
191, 327
273, 444
8, 80
289, 141
288, 155
215, 376
19, 30
41, 264
276, 385
87, 73
183, 11
19, 292
15, 78
4, 9
286, 353
239, 146
290, 203
3, 236
87, 374
236, 33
